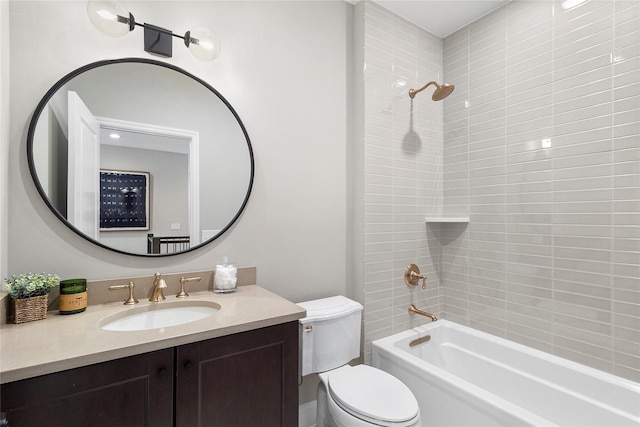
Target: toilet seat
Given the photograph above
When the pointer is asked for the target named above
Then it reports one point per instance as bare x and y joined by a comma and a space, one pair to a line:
374, 396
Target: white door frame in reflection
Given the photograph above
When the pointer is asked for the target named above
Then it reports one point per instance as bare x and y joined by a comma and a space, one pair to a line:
190, 147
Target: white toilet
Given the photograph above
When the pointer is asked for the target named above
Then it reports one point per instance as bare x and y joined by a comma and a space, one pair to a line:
349, 396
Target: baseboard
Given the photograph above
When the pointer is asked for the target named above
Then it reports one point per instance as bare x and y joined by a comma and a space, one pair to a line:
307, 414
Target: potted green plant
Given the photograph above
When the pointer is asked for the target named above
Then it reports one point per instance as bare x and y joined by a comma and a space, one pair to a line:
29, 295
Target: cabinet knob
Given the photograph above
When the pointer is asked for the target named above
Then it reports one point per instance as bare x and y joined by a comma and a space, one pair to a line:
162, 372
188, 366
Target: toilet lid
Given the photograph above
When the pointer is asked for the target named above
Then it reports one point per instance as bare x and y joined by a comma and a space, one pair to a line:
373, 395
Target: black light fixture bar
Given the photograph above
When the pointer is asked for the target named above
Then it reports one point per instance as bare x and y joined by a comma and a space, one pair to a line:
157, 40
111, 16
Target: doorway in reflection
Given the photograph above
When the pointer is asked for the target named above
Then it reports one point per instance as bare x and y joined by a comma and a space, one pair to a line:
166, 155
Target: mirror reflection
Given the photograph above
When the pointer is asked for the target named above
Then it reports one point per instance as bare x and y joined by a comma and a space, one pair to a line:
140, 157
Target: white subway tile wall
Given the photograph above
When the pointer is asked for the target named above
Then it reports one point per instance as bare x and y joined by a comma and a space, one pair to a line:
542, 149
539, 145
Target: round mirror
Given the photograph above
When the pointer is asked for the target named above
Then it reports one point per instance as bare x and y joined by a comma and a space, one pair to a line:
140, 157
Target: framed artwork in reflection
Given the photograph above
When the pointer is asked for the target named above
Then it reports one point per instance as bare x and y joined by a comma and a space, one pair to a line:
124, 200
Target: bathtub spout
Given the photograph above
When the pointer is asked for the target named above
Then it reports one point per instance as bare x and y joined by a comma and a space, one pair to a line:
414, 310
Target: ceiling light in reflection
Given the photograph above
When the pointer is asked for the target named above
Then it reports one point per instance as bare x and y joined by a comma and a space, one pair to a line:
546, 143
114, 136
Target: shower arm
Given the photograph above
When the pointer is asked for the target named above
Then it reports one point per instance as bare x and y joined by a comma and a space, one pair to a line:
414, 92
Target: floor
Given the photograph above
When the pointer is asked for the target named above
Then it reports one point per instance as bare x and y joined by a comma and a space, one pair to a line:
307, 414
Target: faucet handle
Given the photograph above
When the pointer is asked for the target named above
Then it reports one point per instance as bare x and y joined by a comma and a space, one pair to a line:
412, 276
131, 300
158, 281
183, 280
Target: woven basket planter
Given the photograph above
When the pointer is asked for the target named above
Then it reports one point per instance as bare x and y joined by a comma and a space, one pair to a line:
30, 309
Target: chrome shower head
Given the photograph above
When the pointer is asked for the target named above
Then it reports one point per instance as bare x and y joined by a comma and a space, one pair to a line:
441, 92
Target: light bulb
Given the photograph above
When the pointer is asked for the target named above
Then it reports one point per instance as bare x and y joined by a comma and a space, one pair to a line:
203, 43
110, 17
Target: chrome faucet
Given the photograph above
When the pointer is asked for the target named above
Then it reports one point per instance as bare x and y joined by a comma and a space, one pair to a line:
158, 285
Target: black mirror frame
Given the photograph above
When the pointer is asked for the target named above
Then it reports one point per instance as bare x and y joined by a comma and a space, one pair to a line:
64, 80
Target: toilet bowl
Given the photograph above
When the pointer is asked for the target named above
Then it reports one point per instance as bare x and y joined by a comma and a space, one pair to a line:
349, 396
362, 396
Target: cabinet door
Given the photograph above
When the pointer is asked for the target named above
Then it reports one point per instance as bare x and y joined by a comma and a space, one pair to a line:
246, 379
135, 391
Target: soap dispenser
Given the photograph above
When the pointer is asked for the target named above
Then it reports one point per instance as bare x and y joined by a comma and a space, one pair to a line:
225, 279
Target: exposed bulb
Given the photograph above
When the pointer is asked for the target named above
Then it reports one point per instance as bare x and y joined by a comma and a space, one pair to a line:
110, 17
203, 43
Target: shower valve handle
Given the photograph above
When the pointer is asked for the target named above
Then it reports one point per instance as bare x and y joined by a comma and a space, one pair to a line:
412, 276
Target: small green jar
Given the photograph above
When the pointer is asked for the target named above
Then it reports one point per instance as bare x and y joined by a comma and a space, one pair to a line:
73, 296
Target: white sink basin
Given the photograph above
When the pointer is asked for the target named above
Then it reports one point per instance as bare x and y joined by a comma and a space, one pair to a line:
158, 315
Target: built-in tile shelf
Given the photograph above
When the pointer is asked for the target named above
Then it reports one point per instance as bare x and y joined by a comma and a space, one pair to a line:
456, 219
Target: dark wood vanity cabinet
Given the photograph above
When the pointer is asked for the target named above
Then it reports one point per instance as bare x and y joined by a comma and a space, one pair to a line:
132, 391
246, 379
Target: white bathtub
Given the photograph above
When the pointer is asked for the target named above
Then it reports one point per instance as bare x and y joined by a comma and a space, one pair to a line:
464, 377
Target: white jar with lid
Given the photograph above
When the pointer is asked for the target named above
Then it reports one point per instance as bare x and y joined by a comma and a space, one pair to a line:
225, 278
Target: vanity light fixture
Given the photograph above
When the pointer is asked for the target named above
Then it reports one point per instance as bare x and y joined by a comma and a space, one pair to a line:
113, 19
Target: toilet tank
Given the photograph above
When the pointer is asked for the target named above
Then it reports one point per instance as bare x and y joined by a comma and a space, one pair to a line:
329, 334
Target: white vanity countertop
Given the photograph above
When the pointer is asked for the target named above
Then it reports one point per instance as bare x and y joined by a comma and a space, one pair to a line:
62, 342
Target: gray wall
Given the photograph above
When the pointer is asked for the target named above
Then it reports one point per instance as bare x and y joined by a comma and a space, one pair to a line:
282, 66
551, 256
546, 160
4, 135
402, 169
